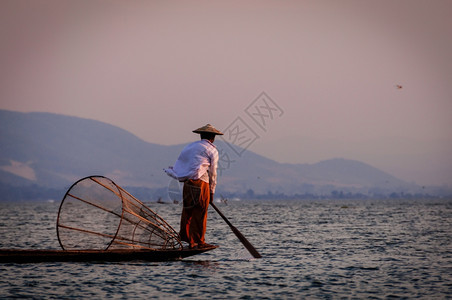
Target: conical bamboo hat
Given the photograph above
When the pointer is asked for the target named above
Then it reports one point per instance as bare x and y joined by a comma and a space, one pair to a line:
208, 128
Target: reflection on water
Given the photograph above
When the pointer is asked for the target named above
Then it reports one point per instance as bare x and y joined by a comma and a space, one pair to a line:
310, 249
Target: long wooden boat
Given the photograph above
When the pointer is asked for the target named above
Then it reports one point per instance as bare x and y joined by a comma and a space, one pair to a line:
117, 255
100, 221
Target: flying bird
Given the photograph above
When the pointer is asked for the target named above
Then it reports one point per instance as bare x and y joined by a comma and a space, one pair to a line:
398, 86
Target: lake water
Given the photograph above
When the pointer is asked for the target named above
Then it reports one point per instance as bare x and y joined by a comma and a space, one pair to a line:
311, 249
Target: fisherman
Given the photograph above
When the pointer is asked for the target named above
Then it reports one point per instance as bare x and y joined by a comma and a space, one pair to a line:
197, 168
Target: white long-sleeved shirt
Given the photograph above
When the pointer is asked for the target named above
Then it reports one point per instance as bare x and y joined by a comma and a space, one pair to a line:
198, 160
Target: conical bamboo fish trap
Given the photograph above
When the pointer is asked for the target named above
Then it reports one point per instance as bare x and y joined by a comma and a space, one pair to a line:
98, 214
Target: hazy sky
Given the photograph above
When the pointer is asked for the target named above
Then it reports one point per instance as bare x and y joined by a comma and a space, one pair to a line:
160, 69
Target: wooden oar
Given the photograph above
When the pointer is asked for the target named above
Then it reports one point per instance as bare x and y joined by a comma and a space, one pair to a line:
239, 235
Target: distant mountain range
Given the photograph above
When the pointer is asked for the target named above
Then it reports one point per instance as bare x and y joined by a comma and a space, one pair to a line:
51, 151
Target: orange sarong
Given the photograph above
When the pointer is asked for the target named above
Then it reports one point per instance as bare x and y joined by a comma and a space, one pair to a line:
196, 196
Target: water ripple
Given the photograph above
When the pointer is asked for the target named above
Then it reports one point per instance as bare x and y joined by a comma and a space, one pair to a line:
311, 249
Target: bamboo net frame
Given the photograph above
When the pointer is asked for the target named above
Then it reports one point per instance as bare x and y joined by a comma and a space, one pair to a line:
95, 213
